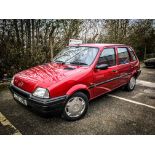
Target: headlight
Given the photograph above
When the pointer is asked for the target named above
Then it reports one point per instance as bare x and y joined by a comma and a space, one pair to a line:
12, 80
41, 92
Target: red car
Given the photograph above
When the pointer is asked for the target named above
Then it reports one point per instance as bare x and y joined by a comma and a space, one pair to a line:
78, 74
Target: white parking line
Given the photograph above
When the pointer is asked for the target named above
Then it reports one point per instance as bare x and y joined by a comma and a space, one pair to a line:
131, 101
5, 122
145, 83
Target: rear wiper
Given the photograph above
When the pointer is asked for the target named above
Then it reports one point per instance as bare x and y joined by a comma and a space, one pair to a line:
78, 63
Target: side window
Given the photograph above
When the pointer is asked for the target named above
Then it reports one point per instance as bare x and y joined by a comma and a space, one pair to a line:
107, 57
133, 57
123, 55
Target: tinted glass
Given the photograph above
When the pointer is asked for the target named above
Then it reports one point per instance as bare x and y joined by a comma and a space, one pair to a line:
107, 57
77, 55
123, 56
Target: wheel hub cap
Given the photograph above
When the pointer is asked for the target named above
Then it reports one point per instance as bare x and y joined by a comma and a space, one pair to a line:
75, 107
132, 82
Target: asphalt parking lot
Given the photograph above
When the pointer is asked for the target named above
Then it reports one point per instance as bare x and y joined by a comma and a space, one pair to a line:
118, 112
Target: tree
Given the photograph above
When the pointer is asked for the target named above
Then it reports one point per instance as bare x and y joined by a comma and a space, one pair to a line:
28, 42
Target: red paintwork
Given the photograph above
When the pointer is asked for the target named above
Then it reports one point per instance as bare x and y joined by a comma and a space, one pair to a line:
61, 82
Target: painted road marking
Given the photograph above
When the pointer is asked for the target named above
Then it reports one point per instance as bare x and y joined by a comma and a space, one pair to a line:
5, 122
131, 101
145, 83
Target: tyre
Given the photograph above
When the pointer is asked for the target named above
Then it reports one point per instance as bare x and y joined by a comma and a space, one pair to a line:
131, 85
75, 107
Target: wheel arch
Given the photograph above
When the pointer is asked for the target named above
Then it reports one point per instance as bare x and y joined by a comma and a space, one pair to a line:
79, 88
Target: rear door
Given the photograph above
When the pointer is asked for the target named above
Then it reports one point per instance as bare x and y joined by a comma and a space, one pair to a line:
106, 80
123, 62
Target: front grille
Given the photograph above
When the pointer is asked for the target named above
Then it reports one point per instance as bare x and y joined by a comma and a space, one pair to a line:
20, 92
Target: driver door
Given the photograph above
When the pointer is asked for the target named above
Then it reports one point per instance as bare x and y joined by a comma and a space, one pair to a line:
107, 79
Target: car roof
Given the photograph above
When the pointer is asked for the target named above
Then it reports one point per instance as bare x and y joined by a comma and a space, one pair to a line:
99, 45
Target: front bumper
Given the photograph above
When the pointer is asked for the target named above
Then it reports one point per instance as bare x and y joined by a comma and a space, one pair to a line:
39, 104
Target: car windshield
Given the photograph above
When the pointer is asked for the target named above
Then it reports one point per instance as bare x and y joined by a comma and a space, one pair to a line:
77, 55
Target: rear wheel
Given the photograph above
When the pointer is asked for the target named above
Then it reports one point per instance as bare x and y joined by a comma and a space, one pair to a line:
131, 85
76, 107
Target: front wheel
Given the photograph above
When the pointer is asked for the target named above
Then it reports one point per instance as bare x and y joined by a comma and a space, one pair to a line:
131, 85
76, 107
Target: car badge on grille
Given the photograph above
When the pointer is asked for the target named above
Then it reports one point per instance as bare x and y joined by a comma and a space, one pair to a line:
20, 84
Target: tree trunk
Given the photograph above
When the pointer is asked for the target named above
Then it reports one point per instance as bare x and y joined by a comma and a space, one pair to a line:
22, 34
37, 33
51, 40
33, 41
3, 28
29, 33
15, 22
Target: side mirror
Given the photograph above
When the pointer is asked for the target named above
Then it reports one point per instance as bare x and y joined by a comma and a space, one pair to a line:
102, 66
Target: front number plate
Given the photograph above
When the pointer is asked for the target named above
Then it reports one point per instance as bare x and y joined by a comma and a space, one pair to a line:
20, 99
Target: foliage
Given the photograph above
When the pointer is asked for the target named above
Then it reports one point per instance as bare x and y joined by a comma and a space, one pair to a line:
28, 42
25, 43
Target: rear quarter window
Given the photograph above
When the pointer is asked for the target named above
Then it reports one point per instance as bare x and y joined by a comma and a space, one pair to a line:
132, 54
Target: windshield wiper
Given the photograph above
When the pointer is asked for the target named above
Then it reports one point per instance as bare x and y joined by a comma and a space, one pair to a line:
59, 61
78, 63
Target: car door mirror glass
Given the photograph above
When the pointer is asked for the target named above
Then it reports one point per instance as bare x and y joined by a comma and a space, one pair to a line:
102, 66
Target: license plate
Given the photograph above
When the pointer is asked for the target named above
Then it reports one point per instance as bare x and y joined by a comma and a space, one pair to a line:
20, 99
